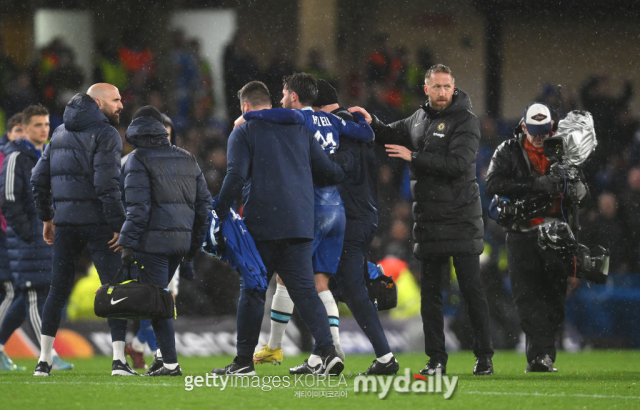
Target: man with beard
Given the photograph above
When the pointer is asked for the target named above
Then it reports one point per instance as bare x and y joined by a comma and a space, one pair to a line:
440, 141
79, 172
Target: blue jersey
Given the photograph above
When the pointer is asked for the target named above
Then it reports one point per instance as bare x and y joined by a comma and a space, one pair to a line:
327, 129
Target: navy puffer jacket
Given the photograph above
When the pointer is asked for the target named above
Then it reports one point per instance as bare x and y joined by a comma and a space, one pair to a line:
80, 169
166, 195
29, 256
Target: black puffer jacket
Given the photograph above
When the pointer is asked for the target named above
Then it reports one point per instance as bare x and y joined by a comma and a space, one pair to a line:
446, 208
510, 172
166, 195
29, 255
80, 169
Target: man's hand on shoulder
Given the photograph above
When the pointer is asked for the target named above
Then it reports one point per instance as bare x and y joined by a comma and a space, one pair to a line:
238, 122
362, 111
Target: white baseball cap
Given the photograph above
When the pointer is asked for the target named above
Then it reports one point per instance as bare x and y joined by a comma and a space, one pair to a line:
537, 118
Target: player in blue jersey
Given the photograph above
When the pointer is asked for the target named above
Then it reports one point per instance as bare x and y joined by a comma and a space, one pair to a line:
299, 93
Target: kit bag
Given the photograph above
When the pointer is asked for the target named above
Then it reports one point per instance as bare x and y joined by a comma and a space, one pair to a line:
133, 300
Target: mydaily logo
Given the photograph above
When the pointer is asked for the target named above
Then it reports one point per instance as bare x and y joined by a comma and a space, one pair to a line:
406, 383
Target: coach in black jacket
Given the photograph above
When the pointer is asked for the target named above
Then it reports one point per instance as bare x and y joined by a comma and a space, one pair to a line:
167, 206
440, 142
78, 173
275, 167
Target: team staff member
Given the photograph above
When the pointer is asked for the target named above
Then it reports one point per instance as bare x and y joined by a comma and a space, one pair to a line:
167, 207
440, 141
359, 192
79, 172
277, 166
519, 170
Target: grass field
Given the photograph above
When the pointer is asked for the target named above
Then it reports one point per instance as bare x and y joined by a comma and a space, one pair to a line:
595, 379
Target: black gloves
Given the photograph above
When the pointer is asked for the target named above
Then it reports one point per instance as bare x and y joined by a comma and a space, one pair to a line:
192, 254
127, 256
550, 184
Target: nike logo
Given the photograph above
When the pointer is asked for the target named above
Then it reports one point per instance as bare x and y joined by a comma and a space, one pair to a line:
239, 370
417, 124
113, 302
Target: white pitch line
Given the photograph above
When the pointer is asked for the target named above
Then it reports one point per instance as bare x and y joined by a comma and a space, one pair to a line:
590, 396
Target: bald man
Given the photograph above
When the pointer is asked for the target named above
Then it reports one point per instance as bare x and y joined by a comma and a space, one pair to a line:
79, 172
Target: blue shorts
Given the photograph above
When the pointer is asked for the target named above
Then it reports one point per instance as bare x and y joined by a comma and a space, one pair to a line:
329, 225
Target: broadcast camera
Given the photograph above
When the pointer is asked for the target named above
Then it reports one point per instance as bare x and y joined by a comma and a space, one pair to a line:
574, 141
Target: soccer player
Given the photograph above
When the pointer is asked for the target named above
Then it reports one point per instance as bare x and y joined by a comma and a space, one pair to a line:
29, 256
7, 293
299, 93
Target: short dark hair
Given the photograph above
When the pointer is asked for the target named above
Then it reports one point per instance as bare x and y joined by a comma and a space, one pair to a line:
438, 68
304, 85
32, 111
16, 119
255, 93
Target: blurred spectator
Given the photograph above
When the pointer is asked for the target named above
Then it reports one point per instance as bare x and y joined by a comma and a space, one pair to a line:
316, 66
203, 94
186, 79
598, 98
417, 69
240, 67
630, 217
279, 67
8, 72
378, 65
603, 228
399, 242
62, 83
558, 98
20, 94
108, 68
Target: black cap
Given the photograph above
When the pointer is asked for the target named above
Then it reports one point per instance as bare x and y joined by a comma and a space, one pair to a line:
149, 111
326, 94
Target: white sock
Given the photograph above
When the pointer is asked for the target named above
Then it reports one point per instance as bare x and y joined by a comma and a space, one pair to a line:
334, 317
137, 345
385, 358
118, 351
54, 353
46, 349
281, 310
170, 366
2, 348
314, 360
159, 354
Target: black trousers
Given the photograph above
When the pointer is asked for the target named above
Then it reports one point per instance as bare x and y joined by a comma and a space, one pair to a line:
539, 286
433, 270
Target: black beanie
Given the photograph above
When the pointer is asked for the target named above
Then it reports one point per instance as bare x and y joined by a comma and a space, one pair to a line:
149, 111
326, 94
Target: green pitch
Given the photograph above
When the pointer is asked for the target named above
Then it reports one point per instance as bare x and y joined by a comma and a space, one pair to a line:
596, 379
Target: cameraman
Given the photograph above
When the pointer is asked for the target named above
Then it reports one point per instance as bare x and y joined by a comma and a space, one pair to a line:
519, 170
